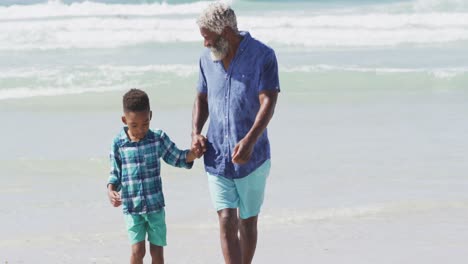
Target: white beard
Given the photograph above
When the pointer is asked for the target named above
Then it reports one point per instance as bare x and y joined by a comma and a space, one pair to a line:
219, 51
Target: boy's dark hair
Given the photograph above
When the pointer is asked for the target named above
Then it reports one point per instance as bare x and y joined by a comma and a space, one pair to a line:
135, 100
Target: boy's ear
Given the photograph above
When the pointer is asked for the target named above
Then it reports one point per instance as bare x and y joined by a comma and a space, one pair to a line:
124, 120
151, 114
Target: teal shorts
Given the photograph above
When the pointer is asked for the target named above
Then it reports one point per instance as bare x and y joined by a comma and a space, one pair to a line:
245, 193
153, 224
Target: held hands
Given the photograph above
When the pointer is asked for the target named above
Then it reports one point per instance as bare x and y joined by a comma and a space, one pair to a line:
242, 151
114, 198
198, 145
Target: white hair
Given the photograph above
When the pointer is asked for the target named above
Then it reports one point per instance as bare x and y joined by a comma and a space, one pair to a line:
217, 16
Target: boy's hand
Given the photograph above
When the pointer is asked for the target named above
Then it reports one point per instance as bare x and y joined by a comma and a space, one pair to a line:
114, 198
198, 145
191, 156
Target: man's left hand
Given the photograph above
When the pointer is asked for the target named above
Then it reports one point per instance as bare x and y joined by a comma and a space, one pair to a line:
242, 151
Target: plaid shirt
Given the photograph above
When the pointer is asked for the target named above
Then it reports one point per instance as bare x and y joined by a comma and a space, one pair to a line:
135, 169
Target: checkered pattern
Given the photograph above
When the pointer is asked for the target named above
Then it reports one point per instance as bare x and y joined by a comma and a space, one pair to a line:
135, 169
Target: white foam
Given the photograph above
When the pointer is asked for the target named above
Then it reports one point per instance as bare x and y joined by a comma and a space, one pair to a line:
439, 73
93, 28
104, 70
56, 81
93, 33
335, 38
447, 74
83, 79
439, 5
177, 69
58, 9
412, 7
362, 21
27, 92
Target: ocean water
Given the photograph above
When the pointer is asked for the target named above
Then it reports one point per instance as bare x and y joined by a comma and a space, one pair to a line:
369, 139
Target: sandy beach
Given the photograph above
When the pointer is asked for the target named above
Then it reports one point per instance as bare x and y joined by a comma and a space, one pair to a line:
343, 187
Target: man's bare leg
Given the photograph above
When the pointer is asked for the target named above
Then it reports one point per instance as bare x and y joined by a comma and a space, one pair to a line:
229, 228
248, 238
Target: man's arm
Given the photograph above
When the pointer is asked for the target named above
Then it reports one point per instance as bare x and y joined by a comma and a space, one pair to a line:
199, 116
243, 150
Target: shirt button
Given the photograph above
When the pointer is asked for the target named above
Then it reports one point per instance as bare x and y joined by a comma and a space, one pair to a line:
226, 135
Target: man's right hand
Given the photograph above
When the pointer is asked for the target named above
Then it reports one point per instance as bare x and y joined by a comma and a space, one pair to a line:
198, 144
114, 198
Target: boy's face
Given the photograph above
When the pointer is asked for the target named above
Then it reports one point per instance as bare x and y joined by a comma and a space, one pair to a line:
138, 124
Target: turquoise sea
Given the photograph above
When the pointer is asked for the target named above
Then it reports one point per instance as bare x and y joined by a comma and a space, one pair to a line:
369, 139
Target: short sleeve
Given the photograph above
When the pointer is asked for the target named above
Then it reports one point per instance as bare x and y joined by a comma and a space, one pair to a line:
269, 79
201, 86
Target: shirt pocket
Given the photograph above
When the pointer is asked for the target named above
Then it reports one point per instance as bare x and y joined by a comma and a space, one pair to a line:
130, 165
244, 81
151, 161
243, 92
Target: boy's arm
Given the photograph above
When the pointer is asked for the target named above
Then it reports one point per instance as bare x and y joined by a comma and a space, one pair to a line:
173, 155
191, 156
114, 184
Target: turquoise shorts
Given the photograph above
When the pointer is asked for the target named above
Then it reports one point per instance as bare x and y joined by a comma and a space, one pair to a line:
153, 224
245, 193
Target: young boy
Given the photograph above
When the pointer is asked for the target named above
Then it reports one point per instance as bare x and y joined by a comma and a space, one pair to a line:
135, 172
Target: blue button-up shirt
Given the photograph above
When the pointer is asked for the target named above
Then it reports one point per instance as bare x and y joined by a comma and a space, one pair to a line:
233, 102
135, 169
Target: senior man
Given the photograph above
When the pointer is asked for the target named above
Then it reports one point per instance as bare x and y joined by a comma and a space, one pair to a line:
238, 88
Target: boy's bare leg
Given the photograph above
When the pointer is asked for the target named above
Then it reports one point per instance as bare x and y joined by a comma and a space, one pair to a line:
229, 228
138, 253
248, 238
157, 254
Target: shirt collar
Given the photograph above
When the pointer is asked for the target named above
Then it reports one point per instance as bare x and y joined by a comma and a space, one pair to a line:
245, 40
124, 137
